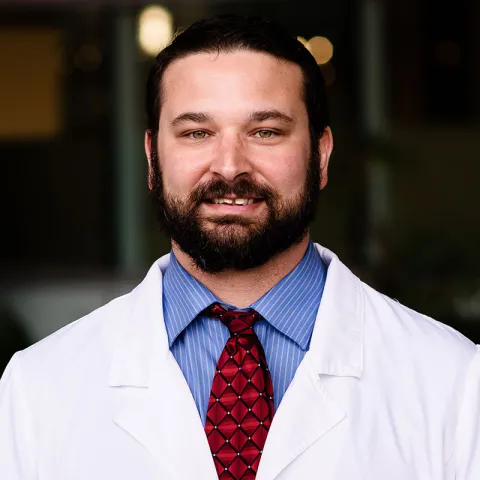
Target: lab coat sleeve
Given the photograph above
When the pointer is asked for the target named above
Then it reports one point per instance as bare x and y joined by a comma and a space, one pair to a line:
17, 443
467, 451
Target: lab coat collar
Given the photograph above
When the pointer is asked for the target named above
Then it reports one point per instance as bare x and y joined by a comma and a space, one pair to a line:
337, 342
336, 346
143, 347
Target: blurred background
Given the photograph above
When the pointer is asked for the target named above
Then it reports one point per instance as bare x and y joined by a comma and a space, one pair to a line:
402, 205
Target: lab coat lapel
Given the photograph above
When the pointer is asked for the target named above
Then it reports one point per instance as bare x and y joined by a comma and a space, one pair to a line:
151, 398
308, 412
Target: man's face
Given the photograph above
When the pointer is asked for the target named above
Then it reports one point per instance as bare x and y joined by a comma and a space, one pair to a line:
232, 169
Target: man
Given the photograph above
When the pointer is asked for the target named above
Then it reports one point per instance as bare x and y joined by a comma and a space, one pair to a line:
248, 352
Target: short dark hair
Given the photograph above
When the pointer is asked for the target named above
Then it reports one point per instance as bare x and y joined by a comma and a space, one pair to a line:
227, 33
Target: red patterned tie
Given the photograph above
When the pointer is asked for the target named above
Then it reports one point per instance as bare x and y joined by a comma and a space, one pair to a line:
240, 408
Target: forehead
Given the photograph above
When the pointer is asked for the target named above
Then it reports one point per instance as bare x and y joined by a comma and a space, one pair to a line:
238, 81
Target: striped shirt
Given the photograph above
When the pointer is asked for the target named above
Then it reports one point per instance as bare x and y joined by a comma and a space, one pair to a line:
288, 312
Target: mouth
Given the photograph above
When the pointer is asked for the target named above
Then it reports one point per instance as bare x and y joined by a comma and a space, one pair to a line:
233, 201
231, 205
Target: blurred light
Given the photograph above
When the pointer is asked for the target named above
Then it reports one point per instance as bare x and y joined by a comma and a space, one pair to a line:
448, 53
304, 42
321, 48
155, 29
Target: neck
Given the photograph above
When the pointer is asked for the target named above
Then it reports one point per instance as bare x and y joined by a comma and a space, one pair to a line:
241, 288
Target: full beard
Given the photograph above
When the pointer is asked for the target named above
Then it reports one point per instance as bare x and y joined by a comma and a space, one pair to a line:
233, 242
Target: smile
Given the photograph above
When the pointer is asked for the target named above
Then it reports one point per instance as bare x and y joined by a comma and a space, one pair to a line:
233, 201
231, 205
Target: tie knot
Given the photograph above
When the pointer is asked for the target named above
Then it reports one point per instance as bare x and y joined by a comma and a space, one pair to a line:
237, 321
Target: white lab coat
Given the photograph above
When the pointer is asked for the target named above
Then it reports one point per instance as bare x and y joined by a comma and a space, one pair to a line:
384, 393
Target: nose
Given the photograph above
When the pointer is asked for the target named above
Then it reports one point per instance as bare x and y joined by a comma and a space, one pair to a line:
230, 159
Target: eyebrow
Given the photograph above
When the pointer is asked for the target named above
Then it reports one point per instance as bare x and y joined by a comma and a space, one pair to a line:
263, 115
196, 117
258, 116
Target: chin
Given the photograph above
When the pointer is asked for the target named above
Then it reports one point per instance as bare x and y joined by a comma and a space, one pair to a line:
230, 231
234, 221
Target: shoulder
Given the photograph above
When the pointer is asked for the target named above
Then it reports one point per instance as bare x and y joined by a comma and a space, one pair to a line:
415, 333
394, 334
77, 361
58, 371
85, 340
92, 338
412, 352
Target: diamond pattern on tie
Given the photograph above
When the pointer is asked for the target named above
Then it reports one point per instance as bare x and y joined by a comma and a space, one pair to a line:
240, 408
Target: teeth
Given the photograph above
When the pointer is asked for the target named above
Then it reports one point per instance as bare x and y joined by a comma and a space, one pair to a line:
236, 201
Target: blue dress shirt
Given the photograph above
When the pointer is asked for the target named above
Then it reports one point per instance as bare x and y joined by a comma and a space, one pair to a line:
288, 313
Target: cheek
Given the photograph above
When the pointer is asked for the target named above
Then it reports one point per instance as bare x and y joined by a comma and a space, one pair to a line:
285, 173
181, 173
179, 177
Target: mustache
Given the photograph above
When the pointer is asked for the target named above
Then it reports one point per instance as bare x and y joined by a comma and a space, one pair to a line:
241, 188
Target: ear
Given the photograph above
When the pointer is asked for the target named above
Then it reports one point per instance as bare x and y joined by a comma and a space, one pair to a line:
325, 147
148, 151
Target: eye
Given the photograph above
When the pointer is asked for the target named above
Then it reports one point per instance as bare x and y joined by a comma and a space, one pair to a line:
265, 134
198, 135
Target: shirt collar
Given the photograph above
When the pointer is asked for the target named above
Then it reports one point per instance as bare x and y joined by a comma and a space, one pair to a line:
184, 297
290, 306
